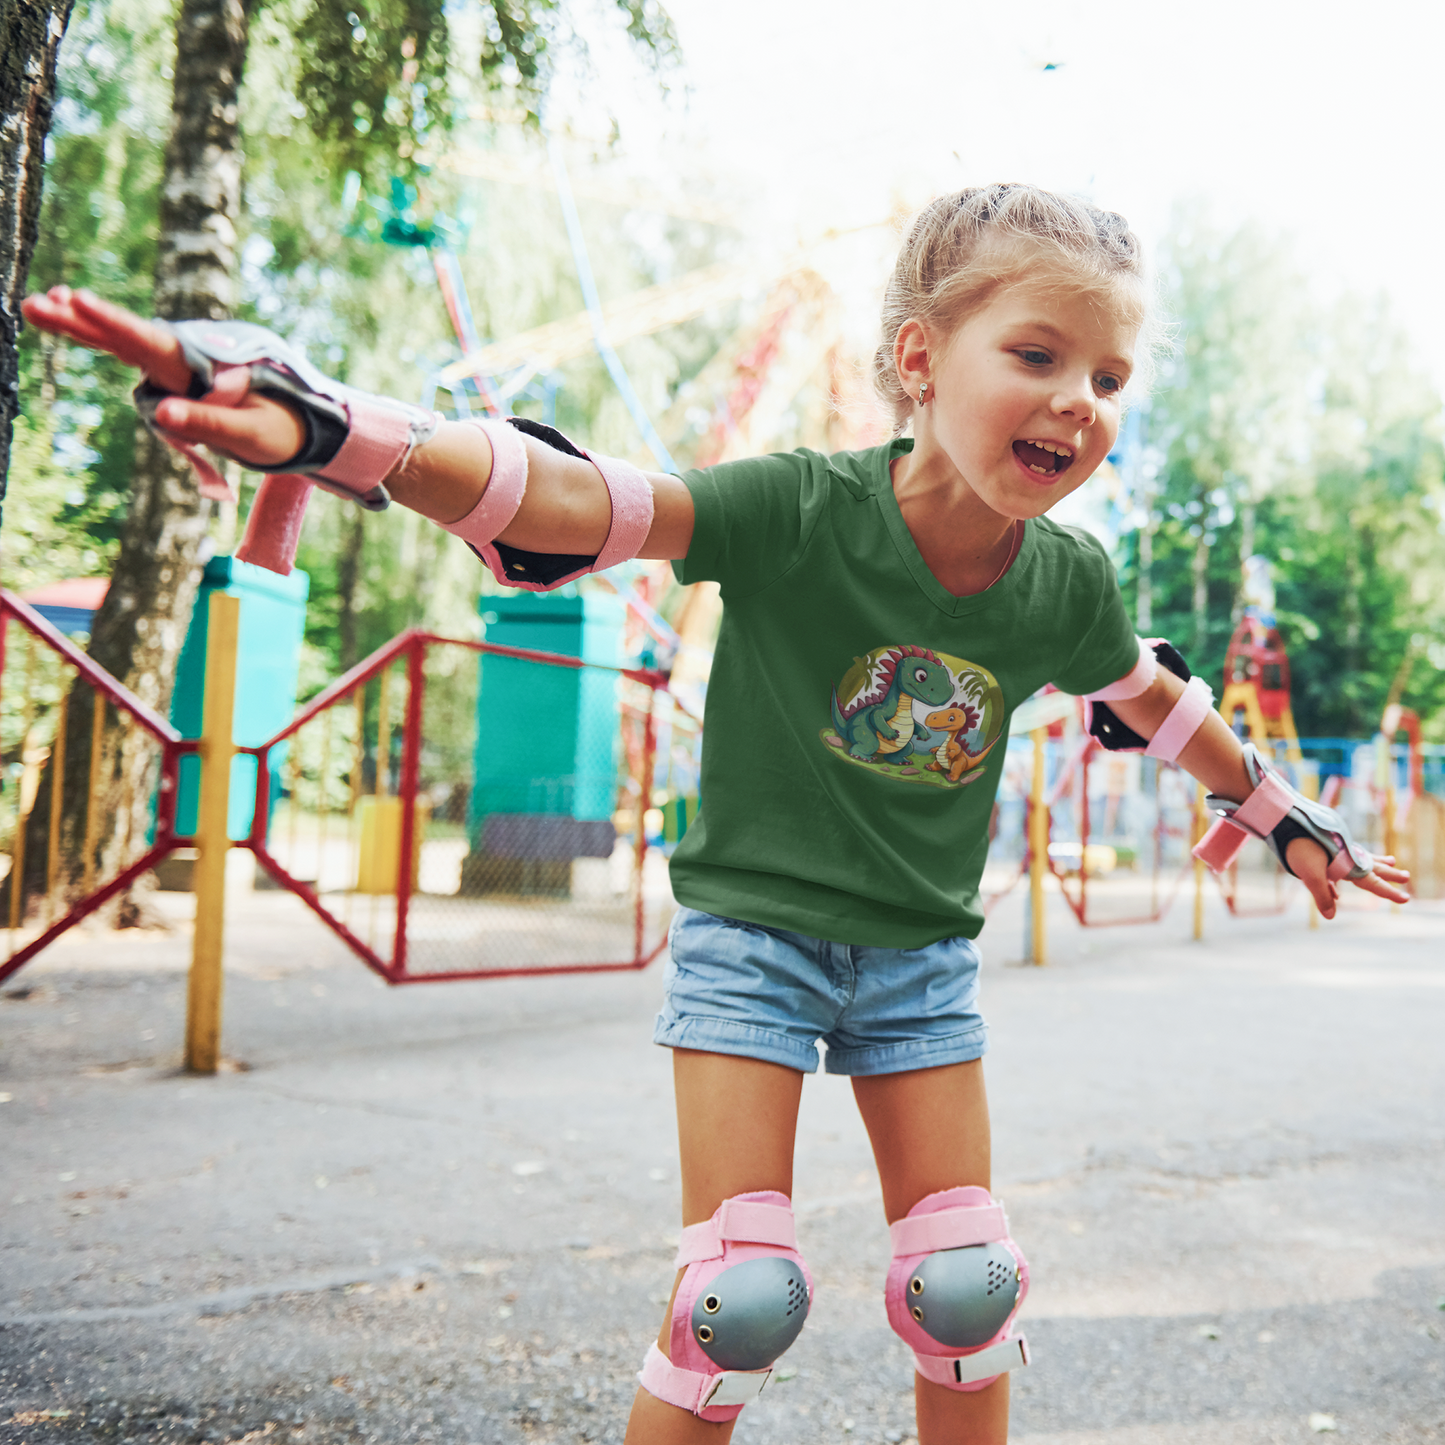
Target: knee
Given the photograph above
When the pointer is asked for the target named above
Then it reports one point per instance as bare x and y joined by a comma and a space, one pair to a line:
955, 1285
742, 1301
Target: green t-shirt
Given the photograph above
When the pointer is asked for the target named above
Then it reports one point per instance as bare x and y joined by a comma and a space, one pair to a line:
856, 713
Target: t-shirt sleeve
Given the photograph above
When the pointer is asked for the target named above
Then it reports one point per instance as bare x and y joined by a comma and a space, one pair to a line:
1108, 649
751, 520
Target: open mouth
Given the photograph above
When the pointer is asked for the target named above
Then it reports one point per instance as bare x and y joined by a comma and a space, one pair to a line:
1047, 459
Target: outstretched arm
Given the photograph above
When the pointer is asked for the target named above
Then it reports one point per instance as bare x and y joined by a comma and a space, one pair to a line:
565, 509
1214, 756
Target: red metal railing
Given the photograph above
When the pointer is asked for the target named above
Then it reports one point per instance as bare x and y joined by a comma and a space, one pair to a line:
456, 925
79, 674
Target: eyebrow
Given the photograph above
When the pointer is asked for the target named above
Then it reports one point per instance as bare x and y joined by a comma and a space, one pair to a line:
1119, 361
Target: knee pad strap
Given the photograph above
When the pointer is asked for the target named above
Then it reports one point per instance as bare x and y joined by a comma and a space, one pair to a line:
955, 1285
741, 1303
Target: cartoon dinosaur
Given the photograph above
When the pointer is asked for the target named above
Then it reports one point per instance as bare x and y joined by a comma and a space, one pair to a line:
878, 722
952, 757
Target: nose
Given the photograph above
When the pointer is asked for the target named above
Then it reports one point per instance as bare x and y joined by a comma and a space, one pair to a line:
1075, 398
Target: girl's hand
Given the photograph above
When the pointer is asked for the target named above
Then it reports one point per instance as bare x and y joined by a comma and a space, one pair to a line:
255, 432
1309, 862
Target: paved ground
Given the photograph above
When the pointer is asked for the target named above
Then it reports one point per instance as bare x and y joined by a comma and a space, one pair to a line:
445, 1213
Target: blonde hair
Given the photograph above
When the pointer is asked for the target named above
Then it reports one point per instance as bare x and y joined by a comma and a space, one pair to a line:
965, 246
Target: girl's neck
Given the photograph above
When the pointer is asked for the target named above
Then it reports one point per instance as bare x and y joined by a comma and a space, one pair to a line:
965, 543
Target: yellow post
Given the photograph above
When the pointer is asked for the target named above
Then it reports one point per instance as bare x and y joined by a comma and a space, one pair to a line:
1200, 827
1038, 852
57, 800
203, 1001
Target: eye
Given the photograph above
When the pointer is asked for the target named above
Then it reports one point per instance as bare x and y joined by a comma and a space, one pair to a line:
1109, 385
920, 674
1033, 357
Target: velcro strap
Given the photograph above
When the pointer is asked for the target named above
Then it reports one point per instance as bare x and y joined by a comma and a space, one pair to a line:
273, 525
498, 505
1220, 846
740, 1221
1009, 1354
377, 439
631, 510
694, 1391
1262, 810
948, 1229
1183, 721
1341, 865
1135, 682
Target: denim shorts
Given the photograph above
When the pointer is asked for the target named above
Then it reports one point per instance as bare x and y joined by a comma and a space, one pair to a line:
765, 993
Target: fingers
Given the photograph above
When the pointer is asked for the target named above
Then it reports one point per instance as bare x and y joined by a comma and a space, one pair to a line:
258, 432
84, 318
1385, 883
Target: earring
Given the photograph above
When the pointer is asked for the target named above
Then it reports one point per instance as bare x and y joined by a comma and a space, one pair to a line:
923, 393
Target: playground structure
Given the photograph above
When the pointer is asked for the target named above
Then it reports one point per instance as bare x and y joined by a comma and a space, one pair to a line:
444, 838
458, 809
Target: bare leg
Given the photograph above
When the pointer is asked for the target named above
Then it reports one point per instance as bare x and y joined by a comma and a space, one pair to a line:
929, 1129
736, 1120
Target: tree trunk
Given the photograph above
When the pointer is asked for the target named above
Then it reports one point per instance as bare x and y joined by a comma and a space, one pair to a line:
141, 625
1246, 551
1144, 608
30, 33
1201, 596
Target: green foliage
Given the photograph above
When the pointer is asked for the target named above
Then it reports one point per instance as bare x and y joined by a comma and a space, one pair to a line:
1308, 434
380, 80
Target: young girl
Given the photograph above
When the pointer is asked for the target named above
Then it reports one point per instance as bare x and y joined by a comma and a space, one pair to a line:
885, 610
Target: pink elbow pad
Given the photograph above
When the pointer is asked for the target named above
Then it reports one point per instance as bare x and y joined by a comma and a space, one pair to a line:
1183, 721
628, 489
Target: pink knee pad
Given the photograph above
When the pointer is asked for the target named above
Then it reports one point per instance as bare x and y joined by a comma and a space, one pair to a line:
741, 1303
956, 1282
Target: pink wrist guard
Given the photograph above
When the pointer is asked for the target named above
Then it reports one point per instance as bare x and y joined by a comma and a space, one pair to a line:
353, 441
1278, 814
540, 571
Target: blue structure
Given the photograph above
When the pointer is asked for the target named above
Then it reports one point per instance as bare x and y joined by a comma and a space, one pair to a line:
544, 773
273, 619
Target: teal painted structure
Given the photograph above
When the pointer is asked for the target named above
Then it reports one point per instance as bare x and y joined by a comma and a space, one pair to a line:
273, 619
547, 736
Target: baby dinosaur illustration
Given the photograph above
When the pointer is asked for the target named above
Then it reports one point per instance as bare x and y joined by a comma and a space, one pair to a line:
952, 757
879, 721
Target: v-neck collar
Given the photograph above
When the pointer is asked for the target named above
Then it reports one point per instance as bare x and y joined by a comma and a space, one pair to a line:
928, 584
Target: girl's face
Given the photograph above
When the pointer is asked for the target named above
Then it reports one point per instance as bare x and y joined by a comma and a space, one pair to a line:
1024, 397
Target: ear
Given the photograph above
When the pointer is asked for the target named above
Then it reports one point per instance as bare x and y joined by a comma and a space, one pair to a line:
912, 356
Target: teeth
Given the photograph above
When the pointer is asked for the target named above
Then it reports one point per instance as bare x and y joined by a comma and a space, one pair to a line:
1042, 471
1058, 448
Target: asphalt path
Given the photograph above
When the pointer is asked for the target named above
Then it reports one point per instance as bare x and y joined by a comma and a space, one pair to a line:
446, 1213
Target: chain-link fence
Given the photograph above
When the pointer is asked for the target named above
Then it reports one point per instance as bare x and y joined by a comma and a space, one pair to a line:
526, 790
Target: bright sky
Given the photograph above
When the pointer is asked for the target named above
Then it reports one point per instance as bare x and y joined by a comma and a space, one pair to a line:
1322, 121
